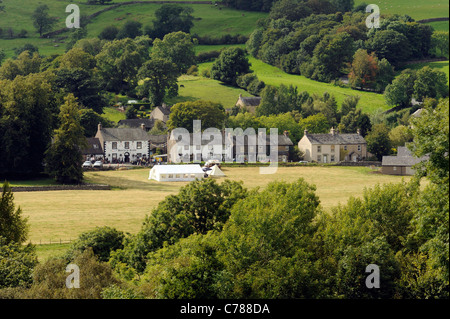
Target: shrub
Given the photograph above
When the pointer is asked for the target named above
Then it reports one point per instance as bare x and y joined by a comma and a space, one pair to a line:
102, 240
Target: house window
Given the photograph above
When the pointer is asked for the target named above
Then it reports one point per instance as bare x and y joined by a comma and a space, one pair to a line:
114, 146
197, 147
319, 149
359, 148
319, 158
127, 145
332, 158
95, 146
114, 156
286, 148
394, 168
345, 147
186, 147
332, 148
139, 145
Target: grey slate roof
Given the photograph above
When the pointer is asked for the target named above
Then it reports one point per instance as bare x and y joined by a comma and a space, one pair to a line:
136, 123
339, 139
124, 134
93, 147
404, 158
157, 139
251, 101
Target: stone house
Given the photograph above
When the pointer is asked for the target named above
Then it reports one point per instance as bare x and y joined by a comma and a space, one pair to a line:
248, 103
161, 113
123, 145
333, 147
228, 148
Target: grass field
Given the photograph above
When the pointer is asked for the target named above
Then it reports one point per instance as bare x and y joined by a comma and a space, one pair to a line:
271, 75
440, 65
63, 215
417, 9
209, 20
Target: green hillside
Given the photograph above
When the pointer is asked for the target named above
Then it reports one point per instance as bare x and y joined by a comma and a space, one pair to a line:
212, 21
417, 9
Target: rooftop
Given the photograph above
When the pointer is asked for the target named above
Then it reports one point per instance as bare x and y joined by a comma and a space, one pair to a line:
404, 158
335, 138
123, 134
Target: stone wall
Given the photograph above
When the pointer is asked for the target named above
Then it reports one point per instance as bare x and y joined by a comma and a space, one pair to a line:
59, 188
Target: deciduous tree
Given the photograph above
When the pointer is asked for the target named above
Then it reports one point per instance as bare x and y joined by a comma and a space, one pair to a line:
42, 20
230, 65
64, 158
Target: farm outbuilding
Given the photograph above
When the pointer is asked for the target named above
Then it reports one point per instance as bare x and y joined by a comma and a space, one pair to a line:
176, 173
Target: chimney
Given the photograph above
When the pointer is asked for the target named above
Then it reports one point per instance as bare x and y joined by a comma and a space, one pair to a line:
305, 131
99, 127
332, 131
143, 126
286, 133
358, 131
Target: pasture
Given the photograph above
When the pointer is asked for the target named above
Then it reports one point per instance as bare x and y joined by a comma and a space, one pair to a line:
417, 9
64, 215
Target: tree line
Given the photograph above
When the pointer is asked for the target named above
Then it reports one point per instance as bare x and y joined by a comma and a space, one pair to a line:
34, 88
326, 46
216, 241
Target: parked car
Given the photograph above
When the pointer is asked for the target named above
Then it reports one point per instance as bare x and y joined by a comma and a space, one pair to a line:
87, 164
98, 164
303, 162
211, 163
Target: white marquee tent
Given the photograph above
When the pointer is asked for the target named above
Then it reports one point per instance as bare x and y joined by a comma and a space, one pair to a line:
176, 173
215, 171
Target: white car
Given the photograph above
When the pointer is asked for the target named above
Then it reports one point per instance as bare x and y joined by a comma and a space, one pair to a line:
211, 163
98, 164
87, 164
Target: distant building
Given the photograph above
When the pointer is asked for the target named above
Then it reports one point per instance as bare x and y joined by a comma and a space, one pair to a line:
161, 113
248, 103
402, 163
333, 147
225, 148
123, 145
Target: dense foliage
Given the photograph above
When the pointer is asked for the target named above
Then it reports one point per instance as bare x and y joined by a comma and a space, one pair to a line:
322, 46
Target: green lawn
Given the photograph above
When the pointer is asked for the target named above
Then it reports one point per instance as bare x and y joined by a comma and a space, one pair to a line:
199, 88
113, 114
440, 25
369, 102
440, 65
64, 215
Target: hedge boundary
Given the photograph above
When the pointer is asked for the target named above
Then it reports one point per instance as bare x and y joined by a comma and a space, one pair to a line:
59, 188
